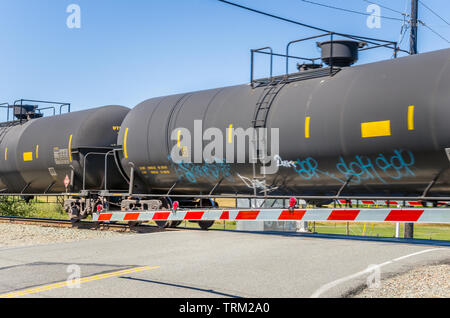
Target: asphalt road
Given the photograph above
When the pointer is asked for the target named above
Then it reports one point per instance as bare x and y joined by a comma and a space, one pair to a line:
205, 264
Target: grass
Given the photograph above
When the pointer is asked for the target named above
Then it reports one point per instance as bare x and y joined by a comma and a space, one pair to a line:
421, 231
39, 209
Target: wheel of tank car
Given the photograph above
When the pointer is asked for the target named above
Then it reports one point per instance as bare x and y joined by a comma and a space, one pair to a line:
205, 225
134, 223
206, 203
166, 204
74, 220
74, 214
174, 224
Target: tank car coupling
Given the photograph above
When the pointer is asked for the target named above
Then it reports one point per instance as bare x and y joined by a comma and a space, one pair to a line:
175, 206
292, 204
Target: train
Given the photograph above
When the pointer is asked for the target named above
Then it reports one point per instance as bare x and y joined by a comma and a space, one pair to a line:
379, 129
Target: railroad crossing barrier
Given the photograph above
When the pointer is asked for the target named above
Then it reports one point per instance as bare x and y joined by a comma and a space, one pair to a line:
409, 215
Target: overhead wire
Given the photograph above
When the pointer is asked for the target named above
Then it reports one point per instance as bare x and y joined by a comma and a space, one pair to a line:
435, 13
349, 10
434, 31
387, 8
274, 16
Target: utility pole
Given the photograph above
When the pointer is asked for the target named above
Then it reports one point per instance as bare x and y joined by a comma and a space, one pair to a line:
414, 25
409, 227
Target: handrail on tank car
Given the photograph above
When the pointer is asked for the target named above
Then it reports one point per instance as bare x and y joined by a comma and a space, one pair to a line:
272, 54
45, 108
60, 104
84, 165
105, 154
377, 43
371, 42
253, 57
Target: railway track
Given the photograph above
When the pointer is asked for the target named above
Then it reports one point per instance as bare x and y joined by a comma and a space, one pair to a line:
84, 225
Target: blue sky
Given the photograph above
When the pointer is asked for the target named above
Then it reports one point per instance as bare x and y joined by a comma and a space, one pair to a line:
128, 51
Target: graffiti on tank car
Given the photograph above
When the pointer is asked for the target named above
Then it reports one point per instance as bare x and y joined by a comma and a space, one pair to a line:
398, 165
363, 168
261, 185
358, 169
308, 169
211, 171
284, 163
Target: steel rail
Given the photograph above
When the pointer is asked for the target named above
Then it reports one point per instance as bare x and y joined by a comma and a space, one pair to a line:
93, 225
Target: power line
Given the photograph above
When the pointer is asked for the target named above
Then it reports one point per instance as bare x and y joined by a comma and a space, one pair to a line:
387, 8
356, 37
434, 31
348, 10
432, 11
274, 16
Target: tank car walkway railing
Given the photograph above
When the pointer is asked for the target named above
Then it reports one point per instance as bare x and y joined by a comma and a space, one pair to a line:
317, 68
37, 112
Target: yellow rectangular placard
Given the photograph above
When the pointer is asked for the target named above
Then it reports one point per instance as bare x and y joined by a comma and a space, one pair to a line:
411, 118
376, 129
27, 156
307, 127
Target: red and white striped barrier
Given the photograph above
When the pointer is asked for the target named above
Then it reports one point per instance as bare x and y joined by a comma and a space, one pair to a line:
381, 203
431, 215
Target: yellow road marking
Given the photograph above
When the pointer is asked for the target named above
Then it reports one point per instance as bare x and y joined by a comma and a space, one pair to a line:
82, 280
307, 127
411, 118
70, 148
6, 154
27, 156
376, 129
230, 134
125, 138
37, 152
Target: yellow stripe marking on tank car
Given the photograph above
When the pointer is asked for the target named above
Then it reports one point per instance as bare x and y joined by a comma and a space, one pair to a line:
230, 134
411, 118
6, 154
72, 283
125, 138
37, 152
70, 148
27, 156
307, 127
376, 129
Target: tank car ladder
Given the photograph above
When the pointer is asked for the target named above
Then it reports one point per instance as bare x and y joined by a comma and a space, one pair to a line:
260, 116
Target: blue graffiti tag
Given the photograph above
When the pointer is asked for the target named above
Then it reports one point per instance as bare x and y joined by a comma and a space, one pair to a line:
211, 171
308, 169
361, 168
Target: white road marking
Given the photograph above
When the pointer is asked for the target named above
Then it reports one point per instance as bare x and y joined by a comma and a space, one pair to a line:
368, 270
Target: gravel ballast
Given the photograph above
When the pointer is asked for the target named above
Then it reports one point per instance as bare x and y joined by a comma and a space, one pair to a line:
12, 235
432, 281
